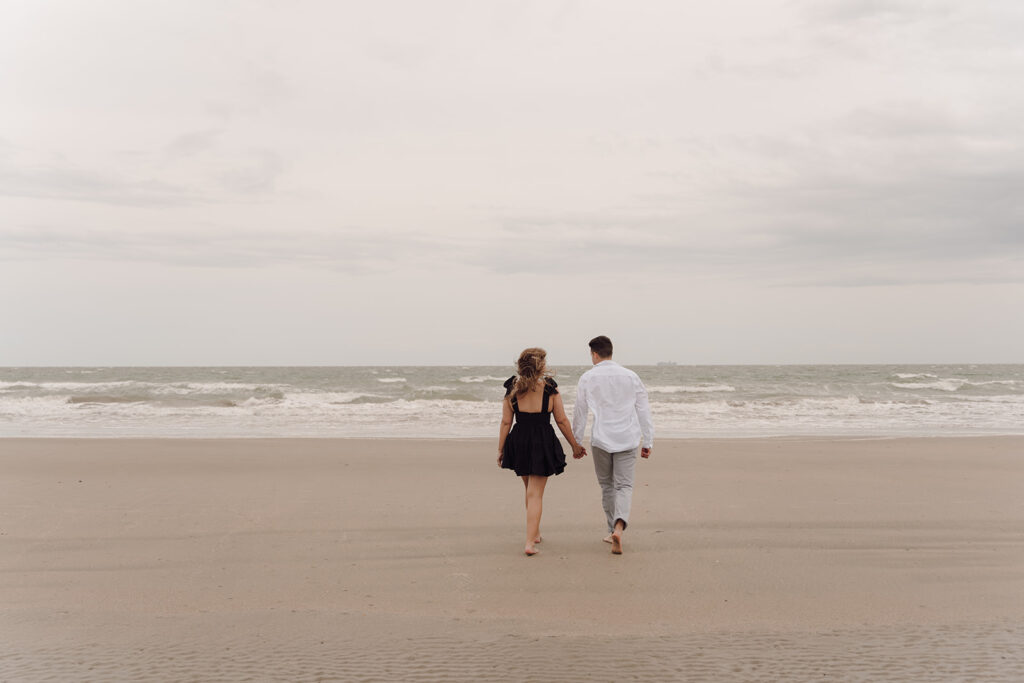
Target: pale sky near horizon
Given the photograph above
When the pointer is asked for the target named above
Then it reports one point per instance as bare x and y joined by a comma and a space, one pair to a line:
293, 183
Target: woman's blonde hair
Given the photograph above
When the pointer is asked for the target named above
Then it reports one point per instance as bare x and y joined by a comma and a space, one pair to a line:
531, 366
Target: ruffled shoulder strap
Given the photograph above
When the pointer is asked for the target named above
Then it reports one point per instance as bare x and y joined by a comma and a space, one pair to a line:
550, 386
510, 384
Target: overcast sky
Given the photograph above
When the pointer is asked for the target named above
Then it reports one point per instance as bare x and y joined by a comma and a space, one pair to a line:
301, 183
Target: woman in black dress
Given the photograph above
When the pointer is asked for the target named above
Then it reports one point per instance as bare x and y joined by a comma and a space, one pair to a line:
530, 447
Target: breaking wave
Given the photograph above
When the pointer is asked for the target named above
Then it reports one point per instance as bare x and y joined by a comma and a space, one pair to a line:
466, 401
688, 389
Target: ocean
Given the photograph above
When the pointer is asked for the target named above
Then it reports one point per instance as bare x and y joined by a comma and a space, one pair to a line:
463, 402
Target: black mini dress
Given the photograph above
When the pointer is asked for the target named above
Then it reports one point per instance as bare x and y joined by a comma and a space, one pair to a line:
532, 448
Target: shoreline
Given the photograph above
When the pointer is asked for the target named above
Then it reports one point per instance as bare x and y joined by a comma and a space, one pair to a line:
445, 402
462, 439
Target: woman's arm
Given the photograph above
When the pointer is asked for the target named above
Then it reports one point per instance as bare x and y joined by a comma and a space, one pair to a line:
563, 423
506, 426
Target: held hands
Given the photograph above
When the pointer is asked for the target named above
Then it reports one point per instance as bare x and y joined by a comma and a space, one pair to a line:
578, 451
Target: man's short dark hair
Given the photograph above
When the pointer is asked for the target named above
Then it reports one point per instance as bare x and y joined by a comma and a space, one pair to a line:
602, 346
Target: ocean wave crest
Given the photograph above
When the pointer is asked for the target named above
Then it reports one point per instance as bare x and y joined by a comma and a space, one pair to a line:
691, 389
183, 388
313, 398
101, 398
941, 385
140, 387
72, 386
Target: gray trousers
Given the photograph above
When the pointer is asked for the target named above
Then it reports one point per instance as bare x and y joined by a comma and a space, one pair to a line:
615, 475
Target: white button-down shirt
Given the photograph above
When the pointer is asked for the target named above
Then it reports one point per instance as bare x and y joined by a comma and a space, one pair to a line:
618, 399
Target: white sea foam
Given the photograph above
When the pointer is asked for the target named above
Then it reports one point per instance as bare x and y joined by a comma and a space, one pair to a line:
951, 384
186, 388
344, 414
16, 386
72, 386
157, 386
431, 401
319, 398
34, 406
137, 390
691, 389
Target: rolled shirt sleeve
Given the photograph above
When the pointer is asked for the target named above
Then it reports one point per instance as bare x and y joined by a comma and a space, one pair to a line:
579, 413
643, 413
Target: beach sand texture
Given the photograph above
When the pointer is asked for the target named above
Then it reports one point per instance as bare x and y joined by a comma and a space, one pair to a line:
347, 560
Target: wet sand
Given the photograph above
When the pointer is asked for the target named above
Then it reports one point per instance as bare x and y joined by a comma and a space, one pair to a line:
308, 559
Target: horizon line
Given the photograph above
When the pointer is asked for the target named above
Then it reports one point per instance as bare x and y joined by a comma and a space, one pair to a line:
491, 365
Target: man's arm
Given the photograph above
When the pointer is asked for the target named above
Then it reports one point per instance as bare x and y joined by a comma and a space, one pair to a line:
579, 413
643, 412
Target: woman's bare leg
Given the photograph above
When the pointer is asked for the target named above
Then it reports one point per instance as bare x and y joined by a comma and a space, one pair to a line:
534, 508
526, 487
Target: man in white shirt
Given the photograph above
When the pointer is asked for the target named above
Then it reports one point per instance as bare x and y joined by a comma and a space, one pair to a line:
622, 418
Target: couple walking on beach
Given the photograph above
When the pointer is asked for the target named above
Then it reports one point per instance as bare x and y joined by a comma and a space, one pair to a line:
527, 443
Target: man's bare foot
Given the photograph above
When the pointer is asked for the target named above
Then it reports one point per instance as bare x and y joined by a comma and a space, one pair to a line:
616, 542
607, 539
531, 551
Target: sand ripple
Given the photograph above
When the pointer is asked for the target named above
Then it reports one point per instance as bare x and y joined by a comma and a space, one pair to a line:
941, 653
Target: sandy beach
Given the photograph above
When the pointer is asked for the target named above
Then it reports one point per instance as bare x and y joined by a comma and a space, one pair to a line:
338, 559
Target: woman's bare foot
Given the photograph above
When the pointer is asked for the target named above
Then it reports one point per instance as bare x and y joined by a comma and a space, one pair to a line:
538, 539
531, 551
607, 539
616, 542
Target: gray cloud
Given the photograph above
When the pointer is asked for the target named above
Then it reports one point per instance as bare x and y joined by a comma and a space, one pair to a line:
259, 176
152, 179
961, 36
903, 190
193, 142
210, 246
48, 181
877, 11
